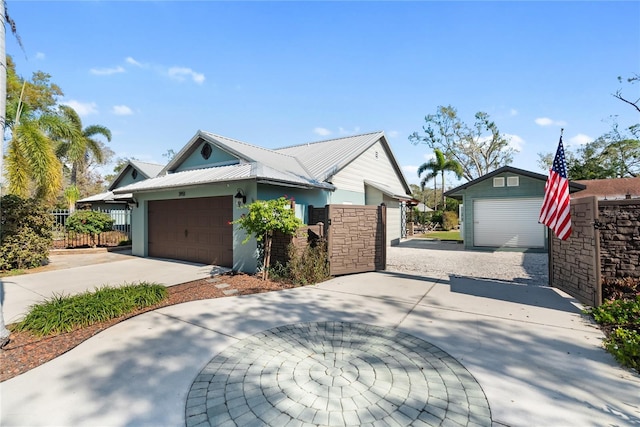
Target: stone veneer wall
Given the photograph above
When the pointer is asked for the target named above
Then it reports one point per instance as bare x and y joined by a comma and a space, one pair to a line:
356, 238
304, 236
619, 224
574, 264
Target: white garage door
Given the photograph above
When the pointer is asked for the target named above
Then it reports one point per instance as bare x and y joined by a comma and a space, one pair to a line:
509, 223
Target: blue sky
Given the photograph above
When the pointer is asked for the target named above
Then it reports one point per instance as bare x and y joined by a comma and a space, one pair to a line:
282, 73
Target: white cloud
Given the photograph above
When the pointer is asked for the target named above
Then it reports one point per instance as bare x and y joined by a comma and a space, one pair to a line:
82, 108
181, 73
393, 133
513, 112
515, 141
321, 131
580, 139
546, 121
121, 110
129, 60
107, 71
40, 56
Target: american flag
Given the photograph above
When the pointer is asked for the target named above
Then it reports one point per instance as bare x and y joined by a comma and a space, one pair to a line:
555, 211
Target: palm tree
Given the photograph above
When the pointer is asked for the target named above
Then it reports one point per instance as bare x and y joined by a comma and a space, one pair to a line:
4, 332
440, 165
80, 144
432, 175
32, 165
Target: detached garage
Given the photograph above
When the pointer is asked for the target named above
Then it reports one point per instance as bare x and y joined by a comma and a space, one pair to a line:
501, 209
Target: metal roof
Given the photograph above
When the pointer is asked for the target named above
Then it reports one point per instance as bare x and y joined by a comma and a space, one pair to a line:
324, 158
308, 165
210, 175
387, 190
245, 152
148, 170
106, 197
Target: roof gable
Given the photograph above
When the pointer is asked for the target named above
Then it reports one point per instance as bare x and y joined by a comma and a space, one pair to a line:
308, 165
326, 158
234, 149
573, 186
135, 171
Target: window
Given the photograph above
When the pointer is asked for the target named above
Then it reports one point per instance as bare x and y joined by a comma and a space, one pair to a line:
498, 181
134, 174
206, 151
513, 181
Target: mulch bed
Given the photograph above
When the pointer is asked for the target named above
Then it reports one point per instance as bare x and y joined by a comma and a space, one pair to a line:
26, 351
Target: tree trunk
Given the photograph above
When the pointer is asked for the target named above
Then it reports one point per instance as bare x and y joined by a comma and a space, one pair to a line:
444, 202
4, 332
267, 256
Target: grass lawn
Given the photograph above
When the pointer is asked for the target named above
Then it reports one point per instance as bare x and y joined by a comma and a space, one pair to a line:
444, 235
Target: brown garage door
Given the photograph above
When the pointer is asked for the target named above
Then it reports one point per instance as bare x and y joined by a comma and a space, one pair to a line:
195, 230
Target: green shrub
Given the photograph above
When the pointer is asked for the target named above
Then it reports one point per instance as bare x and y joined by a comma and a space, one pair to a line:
304, 267
65, 313
622, 319
449, 220
618, 312
624, 344
436, 217
311, 266
90, 222
26, 234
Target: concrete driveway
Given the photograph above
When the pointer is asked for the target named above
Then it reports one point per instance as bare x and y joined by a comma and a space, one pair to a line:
537, 360
71, 274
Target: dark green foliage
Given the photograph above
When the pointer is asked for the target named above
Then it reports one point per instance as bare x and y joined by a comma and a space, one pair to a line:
621, 321
65, 313
436, 217
624, 344
89, 222
449, 220
25, 233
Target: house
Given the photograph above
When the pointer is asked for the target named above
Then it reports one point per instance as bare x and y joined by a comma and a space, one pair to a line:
501, 209
133, 171
185, 212
610, 189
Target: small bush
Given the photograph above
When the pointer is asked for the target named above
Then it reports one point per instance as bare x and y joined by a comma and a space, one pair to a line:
449, 220
618, 312
311, 266
65, 313
90, 222
621, 322
26, 233
306, 268
624, 344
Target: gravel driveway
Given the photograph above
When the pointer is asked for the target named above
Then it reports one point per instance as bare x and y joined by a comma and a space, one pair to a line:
435, 258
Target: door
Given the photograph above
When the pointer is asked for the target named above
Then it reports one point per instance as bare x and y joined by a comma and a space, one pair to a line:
196, 230
508, 223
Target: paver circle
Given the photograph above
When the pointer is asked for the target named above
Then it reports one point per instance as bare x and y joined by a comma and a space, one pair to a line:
335, 374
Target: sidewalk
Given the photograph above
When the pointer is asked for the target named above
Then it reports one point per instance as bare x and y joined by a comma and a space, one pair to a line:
537, 360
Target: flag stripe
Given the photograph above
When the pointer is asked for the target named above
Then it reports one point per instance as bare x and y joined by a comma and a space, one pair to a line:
556, 206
